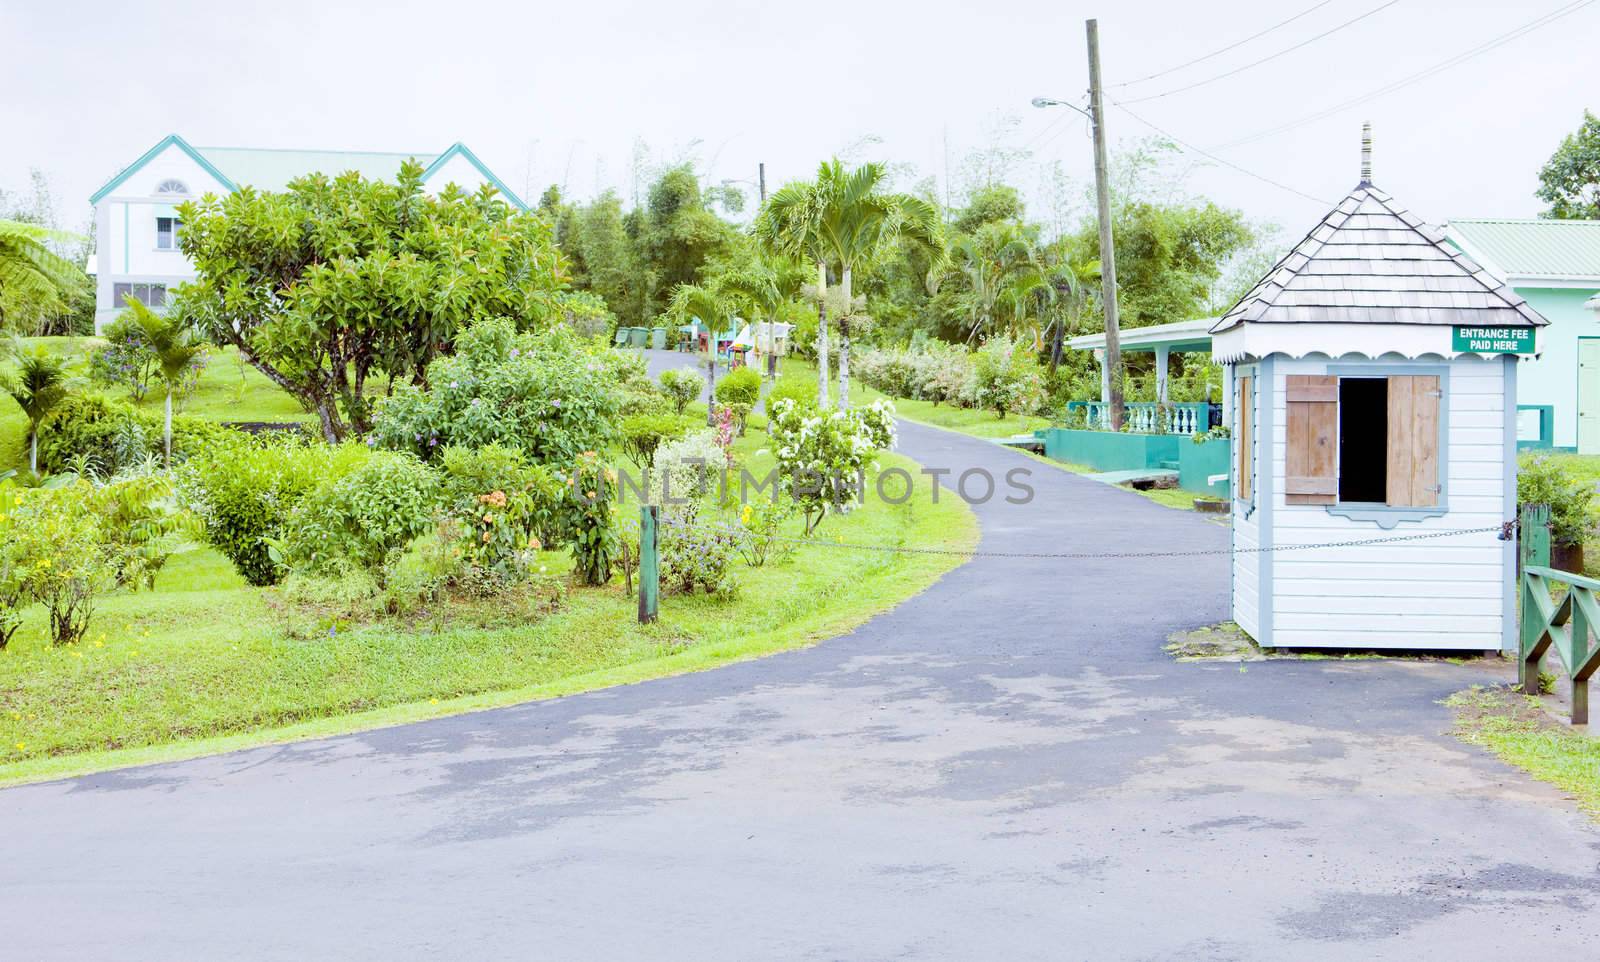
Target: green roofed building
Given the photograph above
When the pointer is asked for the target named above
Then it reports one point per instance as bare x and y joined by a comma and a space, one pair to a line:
1555, 265
137, 224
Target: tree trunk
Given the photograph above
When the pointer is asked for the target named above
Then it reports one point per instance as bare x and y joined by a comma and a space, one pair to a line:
330, 423
33, 450
822, 336
1055, 347
844, 343
166, 433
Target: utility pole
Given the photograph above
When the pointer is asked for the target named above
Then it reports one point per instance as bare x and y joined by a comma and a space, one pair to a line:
1108, 254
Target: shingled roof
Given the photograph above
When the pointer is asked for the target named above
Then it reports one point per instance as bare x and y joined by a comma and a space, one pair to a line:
1371, 261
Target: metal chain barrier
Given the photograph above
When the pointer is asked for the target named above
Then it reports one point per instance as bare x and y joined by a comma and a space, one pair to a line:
723, 528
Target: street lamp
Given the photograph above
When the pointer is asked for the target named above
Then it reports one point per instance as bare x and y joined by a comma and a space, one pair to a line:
1108, 257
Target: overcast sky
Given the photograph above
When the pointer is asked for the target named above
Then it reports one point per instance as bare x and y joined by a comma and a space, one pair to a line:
562, 92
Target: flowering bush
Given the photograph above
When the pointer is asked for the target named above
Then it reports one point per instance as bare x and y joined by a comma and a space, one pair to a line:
550, 394
697, 555
931, 371
65, 545
823, 457
1007, 377
687, 468
762, 521
127, 360
500, 509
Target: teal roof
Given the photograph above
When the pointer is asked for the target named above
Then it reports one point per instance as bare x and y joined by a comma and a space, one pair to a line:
266, 168
271, 169
1532, 248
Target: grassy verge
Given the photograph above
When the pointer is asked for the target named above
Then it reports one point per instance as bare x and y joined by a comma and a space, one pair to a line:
206, 663
1517, 730
982, 424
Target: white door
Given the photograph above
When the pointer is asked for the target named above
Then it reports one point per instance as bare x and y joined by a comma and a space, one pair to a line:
1589, 395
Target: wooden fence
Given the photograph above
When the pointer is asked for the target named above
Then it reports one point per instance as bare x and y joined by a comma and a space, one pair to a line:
1559, 613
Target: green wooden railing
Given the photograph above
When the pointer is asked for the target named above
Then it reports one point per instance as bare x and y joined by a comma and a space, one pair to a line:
1555, 619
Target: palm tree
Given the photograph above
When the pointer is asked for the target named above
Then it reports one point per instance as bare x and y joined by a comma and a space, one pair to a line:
1057, 281
766, 286
32, 274
714, 309
791, 225
169, 338
39, 384
859, 224
991, 259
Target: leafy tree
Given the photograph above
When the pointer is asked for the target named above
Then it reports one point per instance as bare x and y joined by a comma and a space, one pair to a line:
791, 225
714, 309
674, 235
35, 281
1570, 181
993, 261
334, 281
1168, 256
174, 348
38, 385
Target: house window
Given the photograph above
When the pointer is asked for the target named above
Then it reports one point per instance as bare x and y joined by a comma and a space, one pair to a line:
1363, 440
150, 295
167, 233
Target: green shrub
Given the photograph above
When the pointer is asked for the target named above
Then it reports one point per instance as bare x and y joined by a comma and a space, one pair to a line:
552, 395
682, 387
1544, 480
642, 434
740, 386
500, 508
105, 436
364, 519
244, 491
802, 391
695, 555
591, 519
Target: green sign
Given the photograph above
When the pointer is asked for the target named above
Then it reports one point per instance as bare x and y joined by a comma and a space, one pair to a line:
1493, 340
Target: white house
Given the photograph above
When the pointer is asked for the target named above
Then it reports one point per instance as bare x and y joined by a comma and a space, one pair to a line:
136, 222
1374, 374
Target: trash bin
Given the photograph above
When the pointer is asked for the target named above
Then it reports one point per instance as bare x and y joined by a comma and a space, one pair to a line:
637, 336
658, 338
622, 337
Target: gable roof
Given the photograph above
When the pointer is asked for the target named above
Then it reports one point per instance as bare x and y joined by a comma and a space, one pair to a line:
1531, 248
266, 168
1372, 261
170, 140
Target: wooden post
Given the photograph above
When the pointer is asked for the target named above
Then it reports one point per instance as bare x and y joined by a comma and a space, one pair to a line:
1533, 532
649, 564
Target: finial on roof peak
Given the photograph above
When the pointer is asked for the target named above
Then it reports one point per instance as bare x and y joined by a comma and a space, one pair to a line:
1366, 155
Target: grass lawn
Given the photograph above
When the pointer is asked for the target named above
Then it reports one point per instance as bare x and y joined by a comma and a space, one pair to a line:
1518, 730
982, 424
223, 394
206, 663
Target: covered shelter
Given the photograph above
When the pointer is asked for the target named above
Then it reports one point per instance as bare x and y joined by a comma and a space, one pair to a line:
1162, 340
1373, 374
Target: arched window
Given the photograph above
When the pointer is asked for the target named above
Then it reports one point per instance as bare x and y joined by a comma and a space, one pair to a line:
172, 187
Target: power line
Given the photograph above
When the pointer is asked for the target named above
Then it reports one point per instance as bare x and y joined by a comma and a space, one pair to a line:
1443, 65
1226, 163
1231, 46
1271, 57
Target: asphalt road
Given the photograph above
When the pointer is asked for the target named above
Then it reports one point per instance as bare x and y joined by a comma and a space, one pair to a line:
1005, 767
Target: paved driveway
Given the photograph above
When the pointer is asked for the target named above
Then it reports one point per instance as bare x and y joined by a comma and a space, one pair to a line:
1005, 767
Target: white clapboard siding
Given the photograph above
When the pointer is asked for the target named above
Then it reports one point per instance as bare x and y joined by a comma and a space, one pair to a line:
1444, 593
1246, 561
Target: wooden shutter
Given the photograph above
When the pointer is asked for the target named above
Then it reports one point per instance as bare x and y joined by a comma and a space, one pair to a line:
1246, 407
1312, 475
1412, 467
